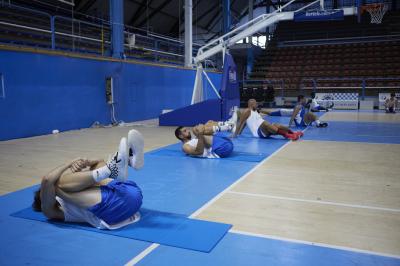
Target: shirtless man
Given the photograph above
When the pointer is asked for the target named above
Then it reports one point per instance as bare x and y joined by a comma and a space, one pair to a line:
261, 128
391, 104
93, 191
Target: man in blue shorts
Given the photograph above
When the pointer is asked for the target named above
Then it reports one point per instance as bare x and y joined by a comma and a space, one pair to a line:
208, 142
314, 106
301, 117
94, 191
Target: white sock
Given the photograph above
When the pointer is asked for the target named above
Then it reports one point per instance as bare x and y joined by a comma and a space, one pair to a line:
234, 117
225, 127
101, 173
317, 122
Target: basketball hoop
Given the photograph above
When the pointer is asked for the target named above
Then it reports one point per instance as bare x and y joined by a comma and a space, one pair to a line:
376, 10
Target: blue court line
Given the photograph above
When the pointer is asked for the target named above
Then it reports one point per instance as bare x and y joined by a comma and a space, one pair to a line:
237, 249
356, 132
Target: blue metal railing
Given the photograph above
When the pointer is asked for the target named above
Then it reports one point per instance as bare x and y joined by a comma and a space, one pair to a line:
362, 80
37, 28
248, 83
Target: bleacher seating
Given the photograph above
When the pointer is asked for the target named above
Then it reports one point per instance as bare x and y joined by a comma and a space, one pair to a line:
340, 63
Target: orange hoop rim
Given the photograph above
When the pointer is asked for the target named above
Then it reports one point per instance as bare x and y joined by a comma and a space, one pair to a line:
371, 7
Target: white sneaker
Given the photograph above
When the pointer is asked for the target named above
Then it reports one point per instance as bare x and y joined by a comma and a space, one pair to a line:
118, 164
136, 147
234, 121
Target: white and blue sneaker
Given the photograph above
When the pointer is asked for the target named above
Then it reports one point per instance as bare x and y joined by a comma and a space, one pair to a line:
136, 147
118, 164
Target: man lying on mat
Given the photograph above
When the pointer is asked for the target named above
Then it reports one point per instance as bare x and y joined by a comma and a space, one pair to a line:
208, 141
94, 191
391, 104
301, 117
261, 128
314, 106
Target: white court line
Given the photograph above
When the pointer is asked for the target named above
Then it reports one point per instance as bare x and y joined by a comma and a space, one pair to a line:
145, 252
142, 254
347, 141
315, 244
315, 201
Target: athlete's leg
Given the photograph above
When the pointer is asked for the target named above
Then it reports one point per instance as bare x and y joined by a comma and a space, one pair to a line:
78, 181
268, 128
277, 129
85, 198
310, 118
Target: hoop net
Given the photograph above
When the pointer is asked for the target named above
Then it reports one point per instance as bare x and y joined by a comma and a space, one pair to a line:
376, 11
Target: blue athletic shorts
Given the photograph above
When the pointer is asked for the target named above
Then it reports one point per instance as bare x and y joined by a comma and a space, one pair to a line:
119, 201
261, 133
222, 146
301, 123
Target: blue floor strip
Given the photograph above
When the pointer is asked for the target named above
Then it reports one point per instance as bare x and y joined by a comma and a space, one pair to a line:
154, 226
356, 132
236, 249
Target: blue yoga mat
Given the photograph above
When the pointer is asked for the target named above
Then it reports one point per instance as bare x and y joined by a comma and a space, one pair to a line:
235, 156
156, 227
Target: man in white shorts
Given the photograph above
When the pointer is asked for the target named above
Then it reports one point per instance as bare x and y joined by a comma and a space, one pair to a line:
261, 128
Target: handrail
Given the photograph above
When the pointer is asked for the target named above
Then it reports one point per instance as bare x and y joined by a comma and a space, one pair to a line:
363, 82
154, 37
269, 81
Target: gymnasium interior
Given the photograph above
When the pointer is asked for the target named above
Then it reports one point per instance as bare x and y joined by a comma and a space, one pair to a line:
77, 75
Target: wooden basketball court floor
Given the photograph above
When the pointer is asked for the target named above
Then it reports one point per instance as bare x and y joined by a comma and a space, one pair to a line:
338, 194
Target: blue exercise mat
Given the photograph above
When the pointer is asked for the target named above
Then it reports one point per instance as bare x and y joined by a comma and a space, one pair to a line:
235, 156
156, 227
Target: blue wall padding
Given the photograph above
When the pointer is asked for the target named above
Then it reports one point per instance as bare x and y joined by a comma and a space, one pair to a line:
237, 250
211, 109
156, 227
193, 114
229, 91
46, 92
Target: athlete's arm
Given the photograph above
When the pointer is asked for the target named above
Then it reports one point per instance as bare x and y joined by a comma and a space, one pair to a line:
387, 103
296, 110
242, 123
48, 193
264, 111
198, 150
